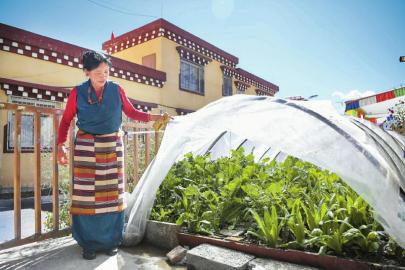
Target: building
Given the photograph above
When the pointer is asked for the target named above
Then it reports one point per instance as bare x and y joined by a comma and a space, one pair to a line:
375, 108
162, 67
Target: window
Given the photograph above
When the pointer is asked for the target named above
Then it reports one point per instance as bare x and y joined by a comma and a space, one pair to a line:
227, 86
27, 132
240, 91
149, 60
27, 126
191, 77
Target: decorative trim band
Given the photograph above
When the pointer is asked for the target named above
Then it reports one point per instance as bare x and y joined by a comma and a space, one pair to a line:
36, 91
250, 79
183, 111
141, 105
163, 28
263, 93
258, 82
32, 45
192, 56
241, 86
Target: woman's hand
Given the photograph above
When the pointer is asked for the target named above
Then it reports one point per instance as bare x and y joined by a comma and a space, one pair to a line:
62, 159
160, 120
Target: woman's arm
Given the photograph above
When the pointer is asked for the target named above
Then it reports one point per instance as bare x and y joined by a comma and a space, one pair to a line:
130, 111
68, 115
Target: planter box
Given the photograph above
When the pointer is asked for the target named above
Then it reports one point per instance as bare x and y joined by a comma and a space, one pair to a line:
291, 256
168, 235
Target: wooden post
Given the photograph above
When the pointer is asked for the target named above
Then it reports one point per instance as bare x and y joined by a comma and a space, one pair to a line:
37, 173
55, 178
17, 180
156, 142
147, 149
136, 158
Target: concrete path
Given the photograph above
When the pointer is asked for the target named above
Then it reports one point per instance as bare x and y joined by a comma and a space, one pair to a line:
64, 253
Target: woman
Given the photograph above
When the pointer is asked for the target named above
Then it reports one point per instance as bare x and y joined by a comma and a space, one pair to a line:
98, 186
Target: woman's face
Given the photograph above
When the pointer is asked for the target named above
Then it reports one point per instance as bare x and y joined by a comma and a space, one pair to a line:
99, 75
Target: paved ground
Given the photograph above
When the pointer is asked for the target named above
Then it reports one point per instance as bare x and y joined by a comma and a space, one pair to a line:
64, 253
27, 223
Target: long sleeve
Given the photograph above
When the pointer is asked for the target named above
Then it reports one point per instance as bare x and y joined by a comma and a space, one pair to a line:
68, 115
129, 109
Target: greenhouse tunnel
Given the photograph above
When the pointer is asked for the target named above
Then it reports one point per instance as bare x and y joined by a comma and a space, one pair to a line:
366, 157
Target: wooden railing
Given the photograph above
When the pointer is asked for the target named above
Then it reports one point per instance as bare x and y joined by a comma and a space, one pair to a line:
131, 127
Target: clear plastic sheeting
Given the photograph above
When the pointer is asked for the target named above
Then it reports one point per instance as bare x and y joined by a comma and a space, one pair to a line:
367, 158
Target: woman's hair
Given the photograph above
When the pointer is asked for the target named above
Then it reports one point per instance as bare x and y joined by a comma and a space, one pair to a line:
92, 59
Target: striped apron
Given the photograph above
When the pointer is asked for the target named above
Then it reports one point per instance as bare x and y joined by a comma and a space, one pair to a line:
98, 178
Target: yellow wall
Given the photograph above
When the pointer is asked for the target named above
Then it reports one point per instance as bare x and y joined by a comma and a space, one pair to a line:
135, 54
4, 167
28, 69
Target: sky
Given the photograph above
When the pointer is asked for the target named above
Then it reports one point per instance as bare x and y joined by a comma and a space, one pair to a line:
335, 49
